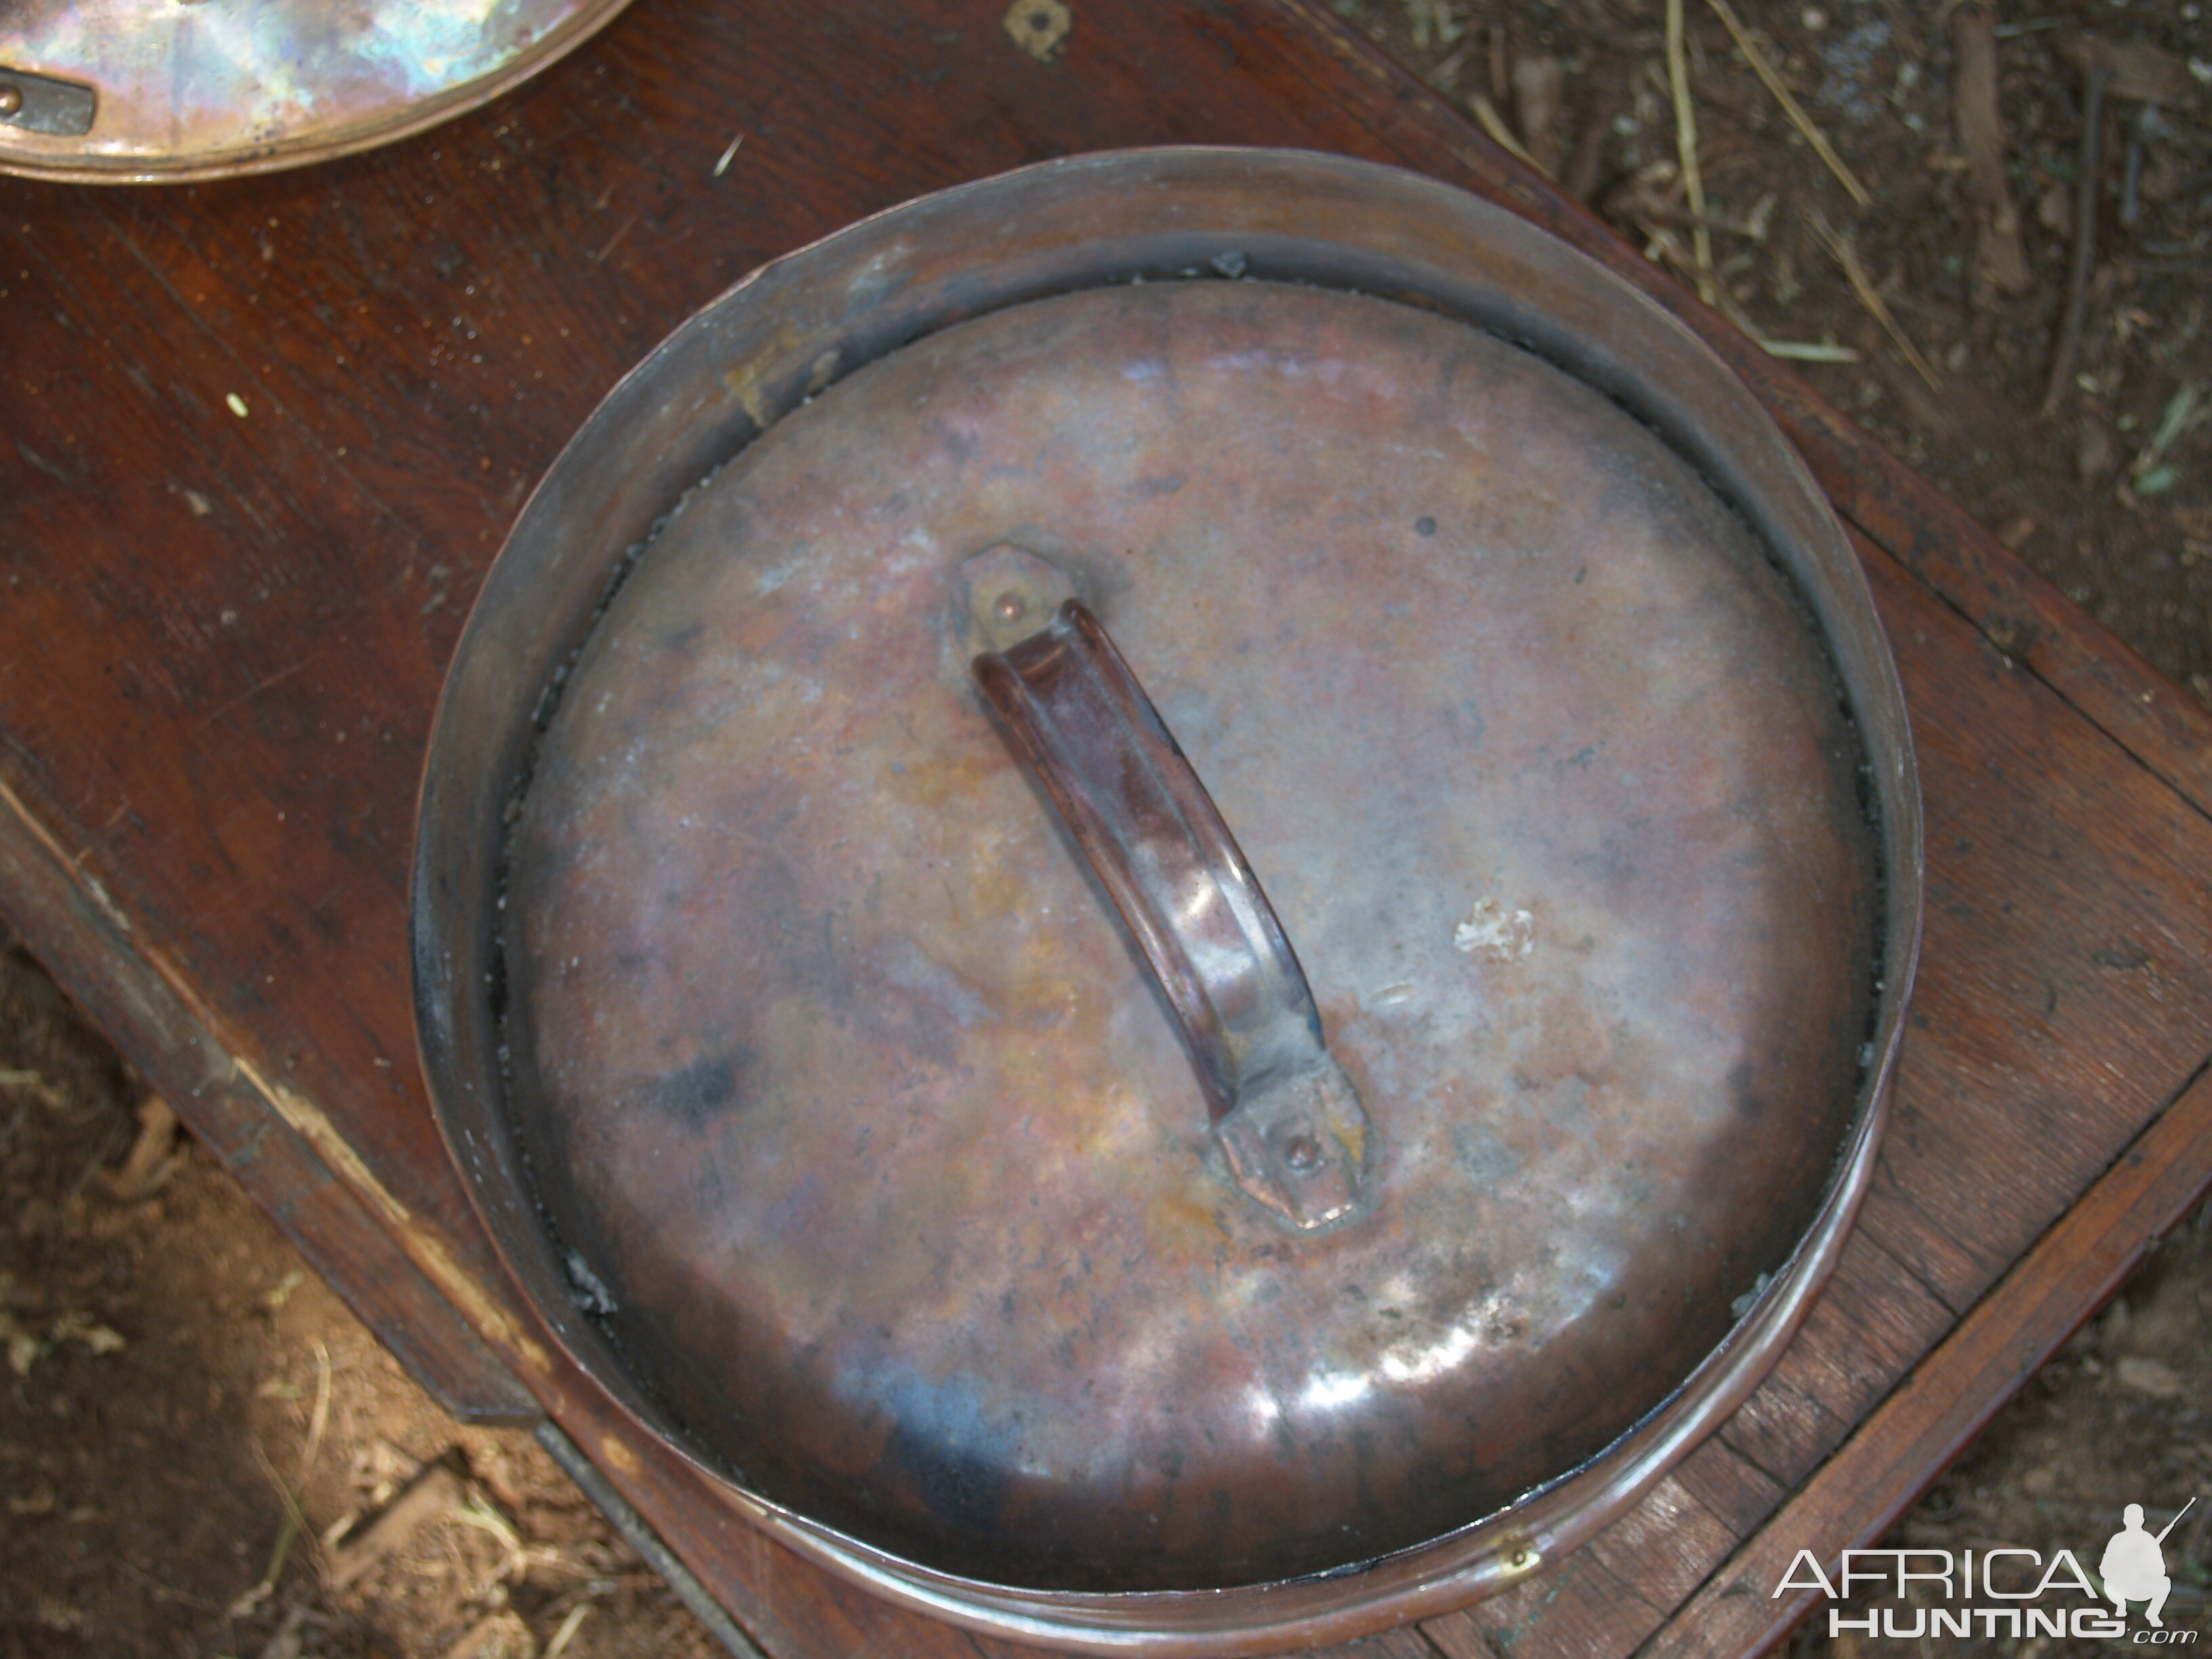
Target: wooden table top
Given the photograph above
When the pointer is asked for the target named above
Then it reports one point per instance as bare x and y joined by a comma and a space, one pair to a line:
263, 438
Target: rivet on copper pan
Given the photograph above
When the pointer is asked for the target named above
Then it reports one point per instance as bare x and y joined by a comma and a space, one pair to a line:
11, 100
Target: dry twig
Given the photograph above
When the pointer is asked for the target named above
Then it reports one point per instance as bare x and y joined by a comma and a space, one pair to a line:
2000, 261
290, 1529
322, 1416
1810, 352
1686, 148
155, 1157
567, 1633
1492, 123
2069, 349
1798, 118
1537, 78
1839, 243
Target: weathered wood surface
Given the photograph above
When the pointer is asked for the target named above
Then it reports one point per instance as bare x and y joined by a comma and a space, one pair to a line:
222, 636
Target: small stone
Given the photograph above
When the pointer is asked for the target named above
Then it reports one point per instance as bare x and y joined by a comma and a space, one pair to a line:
502, 1636
2154, 1378
39, 1500
2093, 458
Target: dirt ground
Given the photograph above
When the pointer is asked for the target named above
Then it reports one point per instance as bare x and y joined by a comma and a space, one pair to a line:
201, 1454
1951, 332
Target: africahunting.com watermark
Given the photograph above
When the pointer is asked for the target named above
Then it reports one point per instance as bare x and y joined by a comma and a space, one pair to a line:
2001, 1592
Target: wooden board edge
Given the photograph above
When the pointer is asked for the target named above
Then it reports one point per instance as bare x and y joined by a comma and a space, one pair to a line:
1898, 1451
65, 918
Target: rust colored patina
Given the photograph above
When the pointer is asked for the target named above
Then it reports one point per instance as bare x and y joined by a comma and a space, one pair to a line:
845, 1122
1286, 1118
163, 91
855, 1096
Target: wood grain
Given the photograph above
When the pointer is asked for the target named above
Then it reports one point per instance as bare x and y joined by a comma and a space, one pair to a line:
1893, 1456
223, 636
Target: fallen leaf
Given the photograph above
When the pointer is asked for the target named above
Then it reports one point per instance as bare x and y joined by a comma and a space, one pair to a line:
1537, 80
81, 1327
2054, 209
154, 1157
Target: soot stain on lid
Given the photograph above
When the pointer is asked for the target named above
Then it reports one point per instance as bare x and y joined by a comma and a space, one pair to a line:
696, 1095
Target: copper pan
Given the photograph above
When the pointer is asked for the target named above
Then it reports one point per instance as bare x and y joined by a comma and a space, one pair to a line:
850, 1057
176, 91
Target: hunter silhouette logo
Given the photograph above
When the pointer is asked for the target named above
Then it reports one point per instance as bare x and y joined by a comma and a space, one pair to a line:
2133, 1565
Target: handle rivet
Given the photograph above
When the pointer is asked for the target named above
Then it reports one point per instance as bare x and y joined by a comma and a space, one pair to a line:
1008, 606
1302, 1153
11, 100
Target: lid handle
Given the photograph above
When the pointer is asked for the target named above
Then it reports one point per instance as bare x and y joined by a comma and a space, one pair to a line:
1287, 1117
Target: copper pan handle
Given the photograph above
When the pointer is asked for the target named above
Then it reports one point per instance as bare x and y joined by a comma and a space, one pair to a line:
1287, 1118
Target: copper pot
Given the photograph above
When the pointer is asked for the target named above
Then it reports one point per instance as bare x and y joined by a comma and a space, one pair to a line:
168, 91
1171, 898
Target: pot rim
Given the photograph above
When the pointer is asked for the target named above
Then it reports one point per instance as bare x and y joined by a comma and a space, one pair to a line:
787, 329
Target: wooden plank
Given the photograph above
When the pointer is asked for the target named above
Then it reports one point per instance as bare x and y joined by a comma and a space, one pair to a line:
1579, 1611
1609, 1595
82, 944
1920, 1242
1731, 1487
1869, 1325
2067, 978
1665, 1548
2020, 614
1900, 1449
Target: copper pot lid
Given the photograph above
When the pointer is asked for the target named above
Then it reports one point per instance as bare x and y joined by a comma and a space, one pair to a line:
119, 91
1187, 933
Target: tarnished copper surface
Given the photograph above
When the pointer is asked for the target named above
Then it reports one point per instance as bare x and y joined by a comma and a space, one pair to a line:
1286, 1120
177, 89
809, 1088
849, 1092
